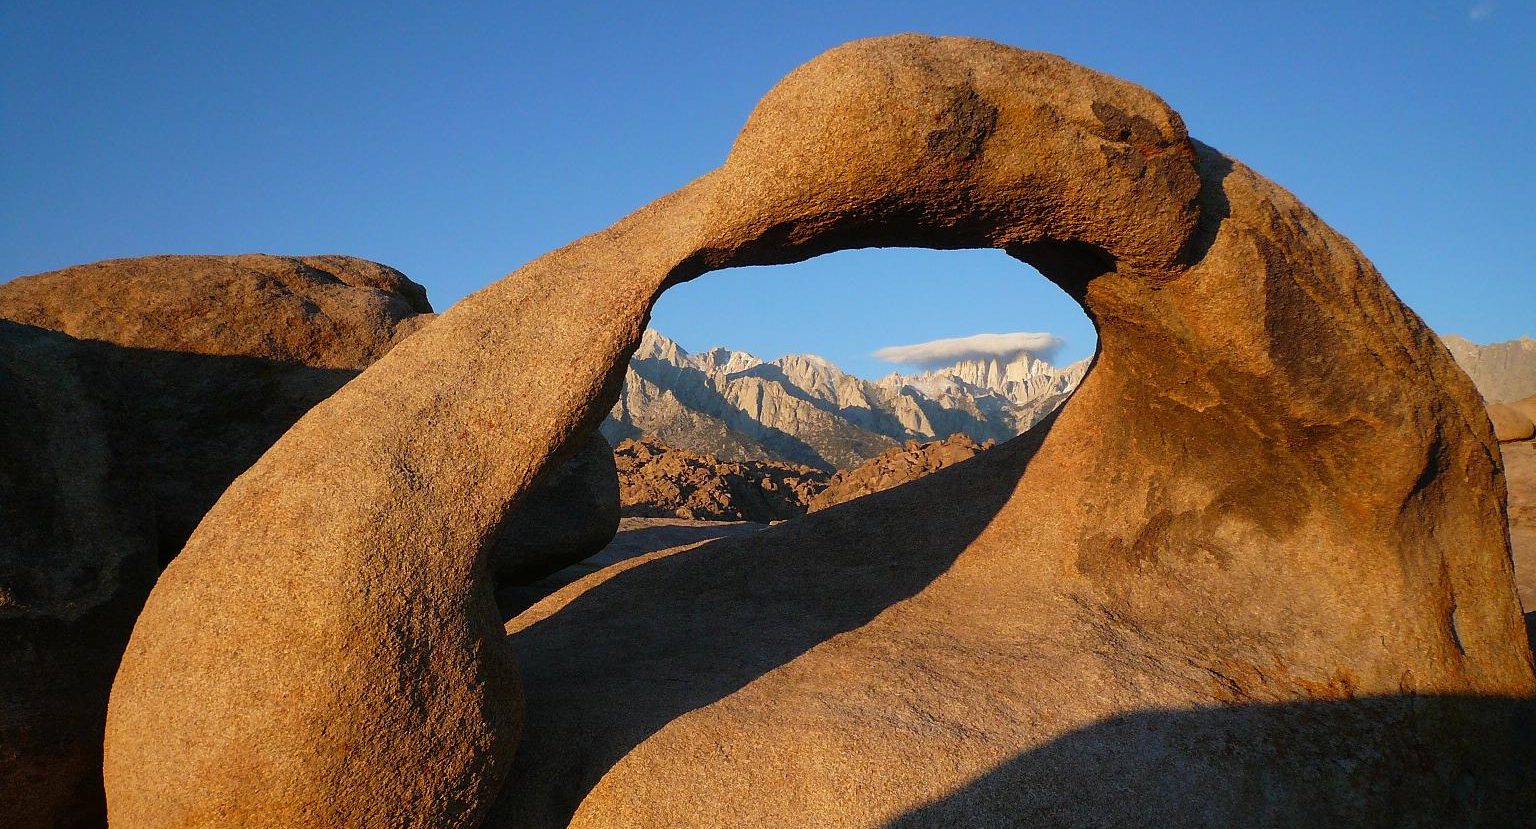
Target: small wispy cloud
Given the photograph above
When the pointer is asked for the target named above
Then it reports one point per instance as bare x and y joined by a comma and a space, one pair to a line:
935, 353
1482, 11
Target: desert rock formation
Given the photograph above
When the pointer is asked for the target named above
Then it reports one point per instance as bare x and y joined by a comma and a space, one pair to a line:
659, 481
136, 390
1510, 423
895, 467
803, 409
1502, 371
1266, 591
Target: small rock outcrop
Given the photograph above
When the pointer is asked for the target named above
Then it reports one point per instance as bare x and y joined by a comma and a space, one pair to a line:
1280, 585
895, 467
658, 481
135, 391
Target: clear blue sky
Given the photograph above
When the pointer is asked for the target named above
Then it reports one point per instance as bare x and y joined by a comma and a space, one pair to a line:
458, 141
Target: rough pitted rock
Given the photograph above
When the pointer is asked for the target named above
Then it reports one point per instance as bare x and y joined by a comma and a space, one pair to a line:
895, 467
136, 390
321, 311
659, 481
1286, 562
1509, 423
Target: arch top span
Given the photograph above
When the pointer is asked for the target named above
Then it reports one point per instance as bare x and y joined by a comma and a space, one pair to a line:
1267, 429
918, 141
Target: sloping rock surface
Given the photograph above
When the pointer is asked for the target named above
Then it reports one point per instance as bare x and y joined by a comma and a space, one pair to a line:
1255, 570
895, 467
658, 481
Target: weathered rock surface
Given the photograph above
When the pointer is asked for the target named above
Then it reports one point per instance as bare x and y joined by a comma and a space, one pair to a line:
895, 467
320, 311
1280, 586
1509, 423
1502, 371
659, 481
163, 379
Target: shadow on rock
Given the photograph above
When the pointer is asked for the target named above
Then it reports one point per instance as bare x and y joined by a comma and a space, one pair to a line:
1395, 761
606, 667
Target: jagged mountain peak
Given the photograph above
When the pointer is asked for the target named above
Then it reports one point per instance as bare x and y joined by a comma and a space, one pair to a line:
805, 409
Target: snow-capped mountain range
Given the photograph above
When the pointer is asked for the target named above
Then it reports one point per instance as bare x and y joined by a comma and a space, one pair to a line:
804, 409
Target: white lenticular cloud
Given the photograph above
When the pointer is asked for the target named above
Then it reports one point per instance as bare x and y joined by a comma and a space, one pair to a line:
936, 353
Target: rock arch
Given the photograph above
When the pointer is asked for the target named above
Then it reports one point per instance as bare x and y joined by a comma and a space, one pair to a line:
1298, 499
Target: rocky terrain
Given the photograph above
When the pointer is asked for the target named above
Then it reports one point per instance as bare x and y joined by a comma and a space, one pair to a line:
1255, 572
803, 409
895, 467
132, 392
1502, 371
1256, 567
659, 481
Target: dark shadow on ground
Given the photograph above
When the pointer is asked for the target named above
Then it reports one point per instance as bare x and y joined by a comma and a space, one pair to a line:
657, 640
1389, 762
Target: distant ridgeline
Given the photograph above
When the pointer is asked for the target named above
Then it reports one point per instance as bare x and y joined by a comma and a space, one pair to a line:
803, 409
1503, 372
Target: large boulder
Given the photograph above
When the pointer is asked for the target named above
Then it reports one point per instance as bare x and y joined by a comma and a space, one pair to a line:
1510, 423
1277, 591
136, 390
1526, 407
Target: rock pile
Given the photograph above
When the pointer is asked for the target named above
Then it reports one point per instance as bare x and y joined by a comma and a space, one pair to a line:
1278, 586
895, 467
659, 481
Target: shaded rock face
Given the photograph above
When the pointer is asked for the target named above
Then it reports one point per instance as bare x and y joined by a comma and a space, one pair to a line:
895, 467
1254, 534
136, 390
571, 514
658, 481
